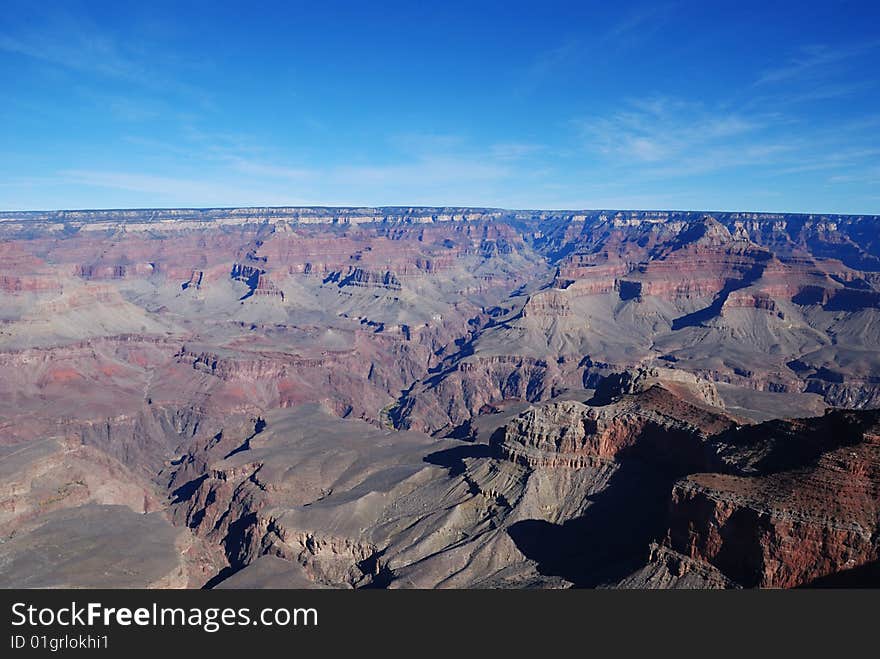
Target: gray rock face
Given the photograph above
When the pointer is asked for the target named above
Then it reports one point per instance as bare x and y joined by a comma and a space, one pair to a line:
95, 546
435, 397
667, 569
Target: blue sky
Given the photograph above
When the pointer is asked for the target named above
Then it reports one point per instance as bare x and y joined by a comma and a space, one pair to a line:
692, 105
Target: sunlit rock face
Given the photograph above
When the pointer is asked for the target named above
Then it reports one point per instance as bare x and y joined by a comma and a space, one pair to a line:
440, 397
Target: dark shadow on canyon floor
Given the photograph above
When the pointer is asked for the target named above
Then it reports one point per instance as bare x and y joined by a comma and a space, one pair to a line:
611, 539
187, 490
453, 458
218, 578
863, 576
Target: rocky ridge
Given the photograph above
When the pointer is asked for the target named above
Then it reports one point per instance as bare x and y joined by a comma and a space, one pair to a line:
489, 392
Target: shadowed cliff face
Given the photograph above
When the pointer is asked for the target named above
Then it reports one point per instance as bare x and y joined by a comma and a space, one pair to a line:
864, 576
649, 436
781, 504
795, 502
610, 540
507, 398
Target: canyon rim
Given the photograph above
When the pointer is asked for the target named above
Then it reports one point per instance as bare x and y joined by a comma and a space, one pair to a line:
438, 397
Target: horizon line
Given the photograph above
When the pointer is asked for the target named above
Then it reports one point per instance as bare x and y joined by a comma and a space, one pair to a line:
433, 207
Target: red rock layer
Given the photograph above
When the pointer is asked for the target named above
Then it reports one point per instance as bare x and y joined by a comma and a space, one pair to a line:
814, 518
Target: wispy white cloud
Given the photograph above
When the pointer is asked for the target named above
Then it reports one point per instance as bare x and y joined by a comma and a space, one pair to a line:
632, 27
139, 182
73, 42
828, 92
201, 191
547, 62
429, 171
671, 141
93, 53
639, 23
417, 143
814, 60
662, 129
270, 170
515, 150
869, 175
232, 171
826, 160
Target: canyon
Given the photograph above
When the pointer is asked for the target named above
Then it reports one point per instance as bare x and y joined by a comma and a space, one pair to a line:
438, 398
